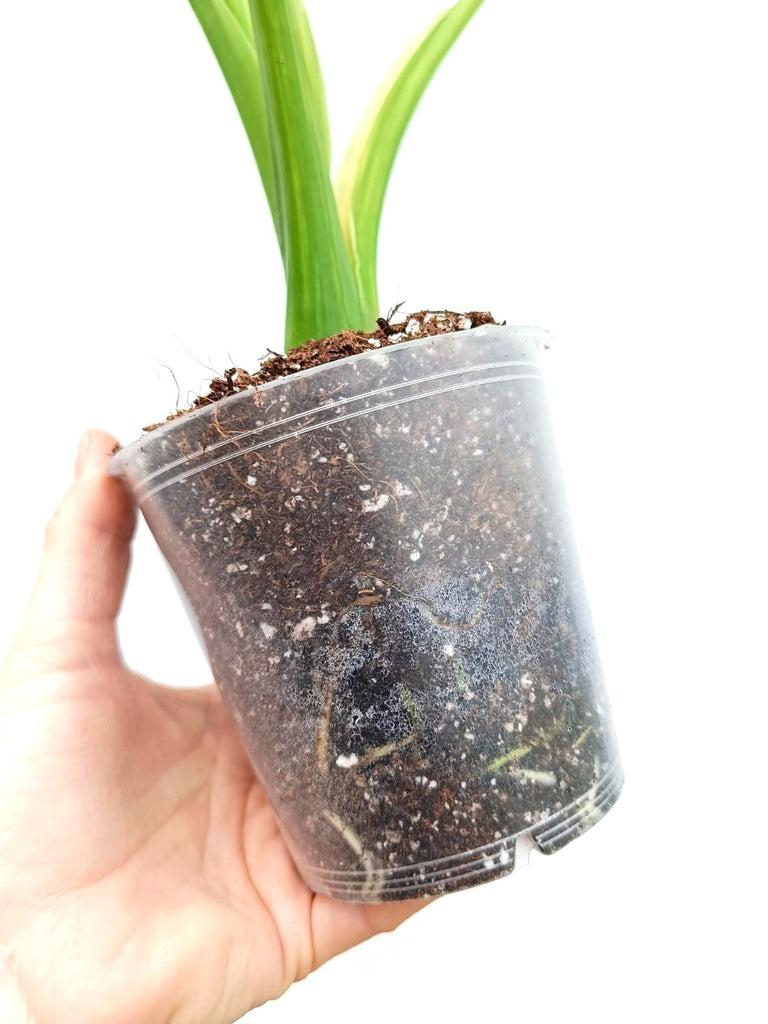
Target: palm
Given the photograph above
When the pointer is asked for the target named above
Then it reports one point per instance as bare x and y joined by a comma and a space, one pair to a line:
135, 840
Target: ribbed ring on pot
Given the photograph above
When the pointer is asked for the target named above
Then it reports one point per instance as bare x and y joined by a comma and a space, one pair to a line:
424, 386
493, 859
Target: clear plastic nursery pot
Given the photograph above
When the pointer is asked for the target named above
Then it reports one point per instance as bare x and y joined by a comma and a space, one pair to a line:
379, 556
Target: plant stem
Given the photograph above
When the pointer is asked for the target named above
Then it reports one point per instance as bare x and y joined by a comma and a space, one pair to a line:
322, 295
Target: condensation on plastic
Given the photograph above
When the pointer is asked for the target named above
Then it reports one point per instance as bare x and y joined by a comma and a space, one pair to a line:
379, 557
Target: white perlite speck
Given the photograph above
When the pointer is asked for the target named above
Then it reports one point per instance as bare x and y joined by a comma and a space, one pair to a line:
449, 650
377, 505
415, 556
346, 760
267, 630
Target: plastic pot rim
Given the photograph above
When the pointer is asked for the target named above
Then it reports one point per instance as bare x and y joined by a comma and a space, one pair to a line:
537, 334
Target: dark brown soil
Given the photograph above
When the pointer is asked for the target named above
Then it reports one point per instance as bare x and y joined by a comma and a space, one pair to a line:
314, 352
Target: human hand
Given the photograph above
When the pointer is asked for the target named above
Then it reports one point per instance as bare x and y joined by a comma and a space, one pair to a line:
143, 877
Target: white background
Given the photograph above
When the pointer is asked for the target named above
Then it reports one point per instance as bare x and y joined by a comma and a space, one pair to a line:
598, 168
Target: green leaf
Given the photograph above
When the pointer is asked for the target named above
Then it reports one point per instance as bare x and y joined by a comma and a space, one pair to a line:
306, 44
227, 25
362, 180
322, 294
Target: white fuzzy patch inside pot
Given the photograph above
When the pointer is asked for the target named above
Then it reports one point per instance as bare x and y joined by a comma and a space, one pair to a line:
370, 505
304, 628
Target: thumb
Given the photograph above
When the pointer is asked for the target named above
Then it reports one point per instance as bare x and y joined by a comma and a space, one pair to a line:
80, 583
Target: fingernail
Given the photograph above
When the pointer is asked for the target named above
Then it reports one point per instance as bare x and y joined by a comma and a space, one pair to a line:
89, 459
82, 454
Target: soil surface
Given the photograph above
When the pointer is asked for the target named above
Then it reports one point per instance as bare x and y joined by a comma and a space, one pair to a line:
380, 560
423, 324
